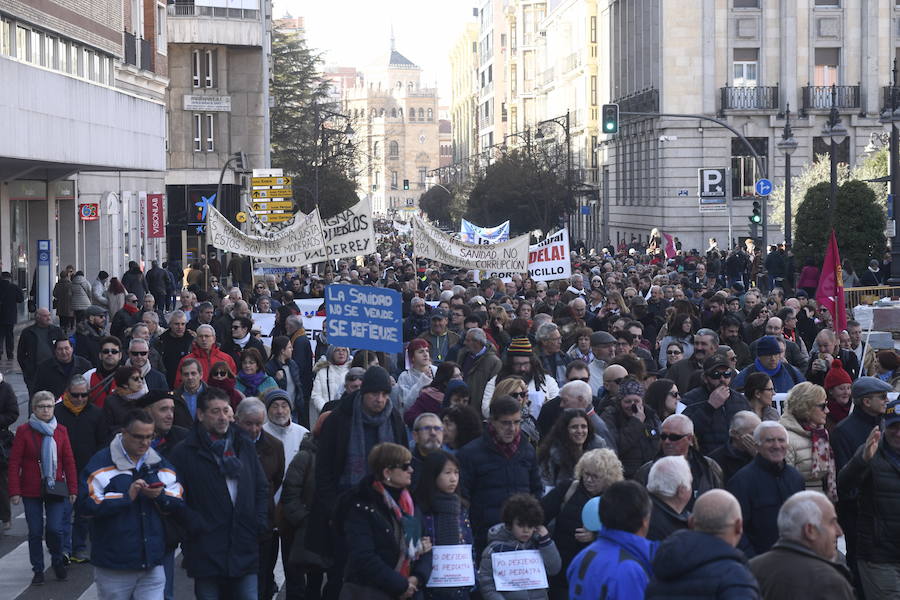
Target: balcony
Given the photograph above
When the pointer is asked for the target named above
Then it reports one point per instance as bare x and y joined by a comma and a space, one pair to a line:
146, 55
130, 49
192, 24
818, 97
191, 10
886, 97
749, 98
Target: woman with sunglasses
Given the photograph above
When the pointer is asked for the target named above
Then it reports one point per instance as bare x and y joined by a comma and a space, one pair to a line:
634, 425
681, 330
755, 324
663, 397
383, 530
130, 386
515, 387
222, 377
809, 449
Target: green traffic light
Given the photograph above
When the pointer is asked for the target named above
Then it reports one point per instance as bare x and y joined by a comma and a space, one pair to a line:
755, 219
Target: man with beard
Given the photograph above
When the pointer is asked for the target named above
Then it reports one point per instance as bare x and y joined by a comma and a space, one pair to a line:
730, 335
706, 342
428, 435
279, 407
88, 334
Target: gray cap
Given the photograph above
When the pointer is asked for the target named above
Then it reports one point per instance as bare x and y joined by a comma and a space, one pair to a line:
438, 313
95, 311
599, 338
869, 385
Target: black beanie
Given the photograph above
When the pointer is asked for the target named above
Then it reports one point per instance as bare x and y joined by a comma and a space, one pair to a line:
376, 379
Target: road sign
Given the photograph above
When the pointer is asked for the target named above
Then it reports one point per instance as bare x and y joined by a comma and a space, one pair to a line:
241, 217
890, 228
284, 193
258, 181
276, 217
711, 183
272, 205
763, 187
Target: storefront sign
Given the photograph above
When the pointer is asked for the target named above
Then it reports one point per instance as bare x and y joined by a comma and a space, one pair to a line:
519, 571
549, 259
207, 103
155, 216
365, 317
89, 212
303, 236
452, 566
432, 243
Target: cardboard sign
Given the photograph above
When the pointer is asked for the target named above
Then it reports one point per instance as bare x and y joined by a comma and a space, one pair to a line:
452, 566
364, 317
519, 571
433, 244
550, 259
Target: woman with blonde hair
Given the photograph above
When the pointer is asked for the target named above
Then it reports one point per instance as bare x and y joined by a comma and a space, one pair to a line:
516, 387
809, 449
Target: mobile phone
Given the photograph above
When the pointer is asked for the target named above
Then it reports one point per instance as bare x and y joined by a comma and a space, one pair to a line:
634, 408
156, 484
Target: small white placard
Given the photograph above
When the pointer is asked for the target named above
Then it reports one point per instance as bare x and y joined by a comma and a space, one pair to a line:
518, 571
452, 566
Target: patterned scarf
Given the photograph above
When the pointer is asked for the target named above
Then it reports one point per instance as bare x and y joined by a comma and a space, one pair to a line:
251, 382
48, 447
823, 460
404, 513
223, 451
507, 450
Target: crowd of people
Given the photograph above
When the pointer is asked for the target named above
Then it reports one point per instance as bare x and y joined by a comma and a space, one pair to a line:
645, 428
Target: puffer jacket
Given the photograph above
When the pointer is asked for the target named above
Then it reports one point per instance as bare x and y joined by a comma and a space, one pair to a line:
81, 293
327, 386
800, 452
500, 539
98, 294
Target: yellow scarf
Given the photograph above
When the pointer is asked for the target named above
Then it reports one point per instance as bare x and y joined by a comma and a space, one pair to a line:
67, 402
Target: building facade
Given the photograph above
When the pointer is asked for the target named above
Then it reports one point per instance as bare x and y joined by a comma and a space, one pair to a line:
84, 124
464, 77
396, 123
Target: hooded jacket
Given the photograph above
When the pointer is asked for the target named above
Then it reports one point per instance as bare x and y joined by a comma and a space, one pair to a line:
500, 539
691, 565
617, 566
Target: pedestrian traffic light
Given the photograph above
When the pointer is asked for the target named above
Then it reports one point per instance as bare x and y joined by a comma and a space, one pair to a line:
756, 215
406, 184
610, 114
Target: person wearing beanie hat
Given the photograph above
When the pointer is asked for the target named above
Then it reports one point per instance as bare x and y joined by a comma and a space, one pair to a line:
521, 361
278, 422
633, 426
419, 373
520, 346
769, 360
712, 405
837, 386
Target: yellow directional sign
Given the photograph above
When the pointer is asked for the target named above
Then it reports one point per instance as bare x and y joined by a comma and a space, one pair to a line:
276, 217
270, 181
284, 193
273, 205
241, 217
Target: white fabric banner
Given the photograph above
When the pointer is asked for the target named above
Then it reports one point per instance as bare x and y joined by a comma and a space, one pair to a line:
550, 259
432, 243
303, 236
468, 231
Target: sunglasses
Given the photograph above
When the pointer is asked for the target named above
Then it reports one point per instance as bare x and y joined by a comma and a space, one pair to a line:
110, 351
138, 353
137, 378
403, 467
78, 394
719, 374
674, 395
672, 437
617, 381
521, 395
220, 374
822, 406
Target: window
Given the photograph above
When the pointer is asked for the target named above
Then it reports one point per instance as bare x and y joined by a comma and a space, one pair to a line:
394, 113
4, 37
430, 115
195, 68
160, 29
421, 114
822, 148
198, 132
96, 69
422, 175
50, 52
22, 43
65, 65
835, 3
210, 132
745, 68
744, 171
376, 150
593, 30
394, 149
490, 73
746, 3
827, 64
393, 180
209, 68
36, 48
593, 90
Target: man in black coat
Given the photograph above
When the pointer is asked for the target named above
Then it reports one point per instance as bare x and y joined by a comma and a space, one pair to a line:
740, 448
712, 405
10, 298
55, 373
227, 502
762, 487
174, 344
303, 354
36, 345
670, 484
240, 338
88, 334
157, 282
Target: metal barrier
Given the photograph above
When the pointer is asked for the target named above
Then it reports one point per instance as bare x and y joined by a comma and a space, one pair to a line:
868, 295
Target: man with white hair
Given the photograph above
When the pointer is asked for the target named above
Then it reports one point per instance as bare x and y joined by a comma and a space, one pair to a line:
803, 560
703, 562
740, 448
670, 486
553, 359
478, 362
763, 486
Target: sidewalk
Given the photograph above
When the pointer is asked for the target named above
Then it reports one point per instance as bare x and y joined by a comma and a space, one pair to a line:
12, 374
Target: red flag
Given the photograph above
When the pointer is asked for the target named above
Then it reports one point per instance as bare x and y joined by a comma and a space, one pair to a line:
670, 245
830, 292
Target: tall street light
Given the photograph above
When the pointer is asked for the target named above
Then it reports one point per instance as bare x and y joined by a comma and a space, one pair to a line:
835, 130
891, 115
563, 121
788, 145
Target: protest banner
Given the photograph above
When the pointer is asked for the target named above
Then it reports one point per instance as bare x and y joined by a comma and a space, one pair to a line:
264, 322
519, 570
432, 243
364, 317
550, 258
313, 322
304, 235
469, 231
452, 566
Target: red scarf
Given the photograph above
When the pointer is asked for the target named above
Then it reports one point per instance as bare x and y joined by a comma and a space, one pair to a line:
507, 450
837, 412
130, 309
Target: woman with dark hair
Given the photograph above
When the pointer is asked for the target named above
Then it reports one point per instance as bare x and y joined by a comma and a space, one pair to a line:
252, 379
445, 515
62, 301
663, 397
681, 330
760, 391
431, 398
129, 387
571, 436
635, 427
286, 373
221, 376
462, 424
755, 324
115, 294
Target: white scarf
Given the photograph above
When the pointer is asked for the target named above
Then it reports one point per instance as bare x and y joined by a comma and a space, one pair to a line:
241, 341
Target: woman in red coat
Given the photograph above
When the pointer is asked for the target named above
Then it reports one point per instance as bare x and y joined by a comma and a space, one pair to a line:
41, 452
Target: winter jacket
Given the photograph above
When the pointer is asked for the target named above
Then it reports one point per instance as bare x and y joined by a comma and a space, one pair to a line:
411, 383
617, 566
711, 425
207, 359
81, 293
555, 366
24, 470
878, 485
372, 534
303, 356
762, 487
487, 479
706, 473
270, 452
10, 298
88, 431
327, 386
800, 452
848, 359
157, 281
478, 371
565, 516
172, 349
133, 281
273, 368
123, 320
230, 348
62, 296
790, 570
87, 342
730, 459
28, 353
298, 500
99, 294
430, 400
54, 377
9, 414
264, 386
691, 565
664, 521
850, 434
500, 539
439, 346
636, 441
127, 534
223, 536
554, 472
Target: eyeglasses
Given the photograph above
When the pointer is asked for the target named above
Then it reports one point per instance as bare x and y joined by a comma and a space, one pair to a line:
141, 438
403, 467
769, 389
44, 407
220, 374
510, 424
78, 394
674, 352
110, 351
138, 353
521, 395
719, 374
673, 437
822, 406
430, 428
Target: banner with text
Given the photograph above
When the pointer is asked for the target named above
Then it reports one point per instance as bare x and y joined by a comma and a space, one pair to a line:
365, 317
503, 257
468, 232
549, 259
303, 236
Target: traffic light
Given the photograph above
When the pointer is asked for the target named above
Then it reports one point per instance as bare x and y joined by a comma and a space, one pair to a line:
610, 114
756, 215
406, 184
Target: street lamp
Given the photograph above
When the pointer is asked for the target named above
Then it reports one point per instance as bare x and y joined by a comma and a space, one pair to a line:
563, 121
788, 145
835, 130
891, 115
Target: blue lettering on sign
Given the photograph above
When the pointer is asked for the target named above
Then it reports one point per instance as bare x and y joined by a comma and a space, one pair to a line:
364, 317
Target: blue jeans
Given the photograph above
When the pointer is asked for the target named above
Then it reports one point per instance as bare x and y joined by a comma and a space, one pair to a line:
35, 510
235, 588
168, 564
75, 533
